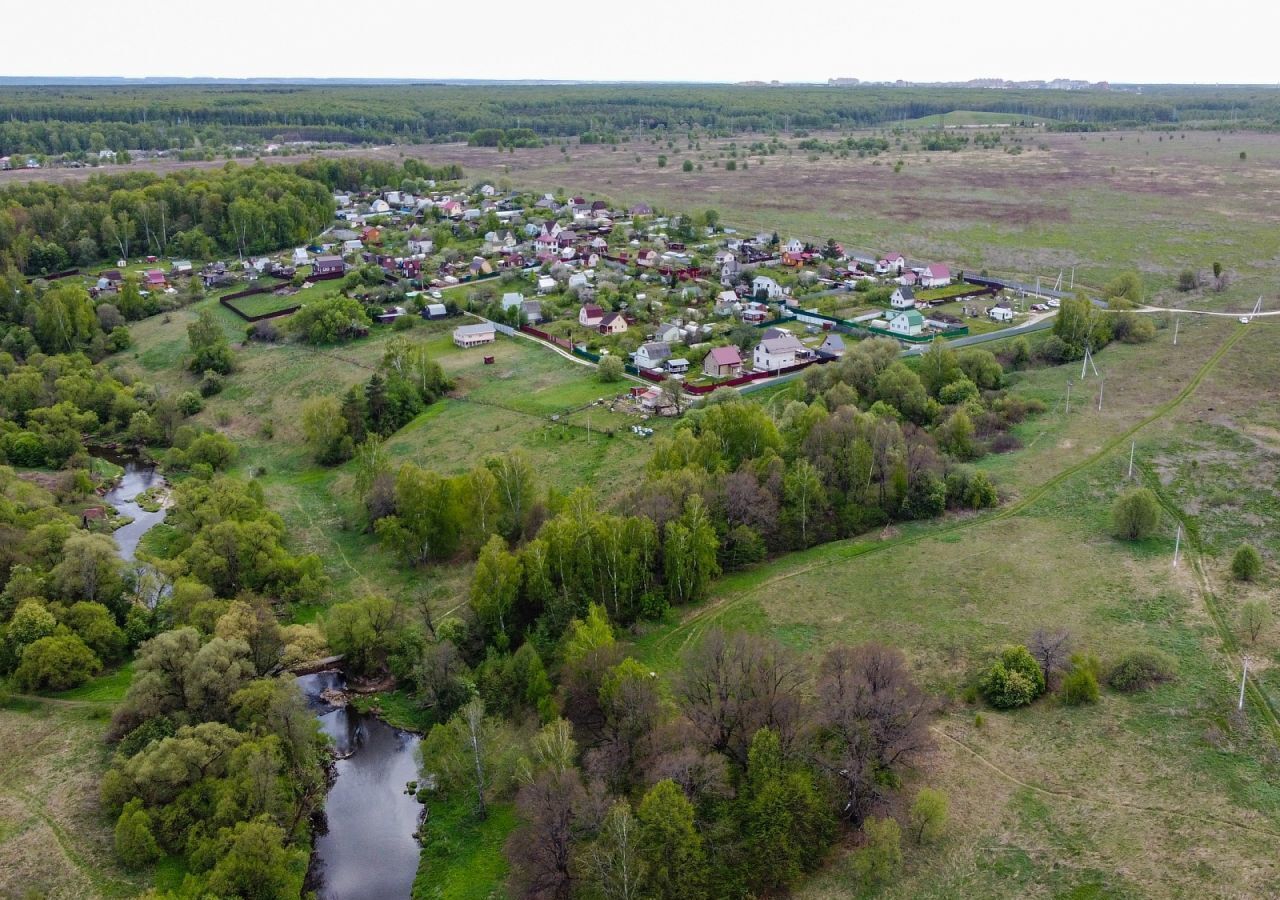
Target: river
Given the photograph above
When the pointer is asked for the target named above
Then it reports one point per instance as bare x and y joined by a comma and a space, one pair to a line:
138, 477
369, 851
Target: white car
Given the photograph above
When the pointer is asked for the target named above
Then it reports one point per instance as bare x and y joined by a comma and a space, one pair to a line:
1054, 304
436, 295
1244, 320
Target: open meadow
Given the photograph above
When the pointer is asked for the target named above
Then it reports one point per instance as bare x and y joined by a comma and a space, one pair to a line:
1170, 793
495, 408
1103, 202
55, 839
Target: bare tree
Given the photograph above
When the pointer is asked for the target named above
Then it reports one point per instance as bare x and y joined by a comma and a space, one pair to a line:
732, 685
1052, 650
872, 720
473, 716
541, 850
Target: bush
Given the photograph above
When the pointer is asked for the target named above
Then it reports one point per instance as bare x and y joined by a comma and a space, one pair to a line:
135, 842
404, 323
56, 663
610, 369
210, 384
878, 860
1013, 680
1246, 565
189, 403
1141, 669
1081, 684
928, 816
1135, 515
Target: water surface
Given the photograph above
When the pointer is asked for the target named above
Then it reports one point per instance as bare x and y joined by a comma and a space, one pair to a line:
369, 851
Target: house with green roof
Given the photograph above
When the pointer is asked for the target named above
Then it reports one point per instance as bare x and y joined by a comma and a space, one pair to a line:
908, 322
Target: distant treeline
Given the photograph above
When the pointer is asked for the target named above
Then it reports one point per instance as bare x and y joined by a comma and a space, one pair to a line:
198, 214
86, 119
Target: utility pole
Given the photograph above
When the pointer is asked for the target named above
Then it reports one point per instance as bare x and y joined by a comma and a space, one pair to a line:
1177, 545
1244, 677
1133, 445
588, 428
1073, 278
1176, 323
1102, 384
1068, 396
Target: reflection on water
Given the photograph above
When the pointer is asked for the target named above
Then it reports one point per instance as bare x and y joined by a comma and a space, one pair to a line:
138, 477
369, 850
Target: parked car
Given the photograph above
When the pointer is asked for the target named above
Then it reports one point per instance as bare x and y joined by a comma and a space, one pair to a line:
1054, 304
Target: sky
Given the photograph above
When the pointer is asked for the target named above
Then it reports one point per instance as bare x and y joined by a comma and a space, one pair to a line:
1134, 41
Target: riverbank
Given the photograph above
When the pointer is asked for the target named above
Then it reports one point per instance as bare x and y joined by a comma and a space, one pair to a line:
369, 812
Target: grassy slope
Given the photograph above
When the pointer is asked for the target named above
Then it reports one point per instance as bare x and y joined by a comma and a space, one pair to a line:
495, 408
1164, 794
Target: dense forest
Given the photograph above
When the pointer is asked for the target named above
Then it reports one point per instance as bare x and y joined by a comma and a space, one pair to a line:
46, 228
61, 119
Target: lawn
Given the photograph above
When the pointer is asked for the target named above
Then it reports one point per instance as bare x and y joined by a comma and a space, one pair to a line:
265, 304
106, 688
462, 858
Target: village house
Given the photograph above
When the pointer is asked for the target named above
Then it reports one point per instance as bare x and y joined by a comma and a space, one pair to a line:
379, 206
511, 300
894, 262
647, 258
832, 346
1001, 313
726, 301
613, 323
935, 276
531, 310
546, 284
652, 355
669, 331
154, 279
763, 284
590, 316
722, 362
775, 353
908, 322
300, 256
677, 365
328, 266
903, 298
466, 336
794, 246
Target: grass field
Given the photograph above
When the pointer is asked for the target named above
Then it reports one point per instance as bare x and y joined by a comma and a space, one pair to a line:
494, 408
265, 304
1103, 203
1163, 794
967, 118
55, 840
